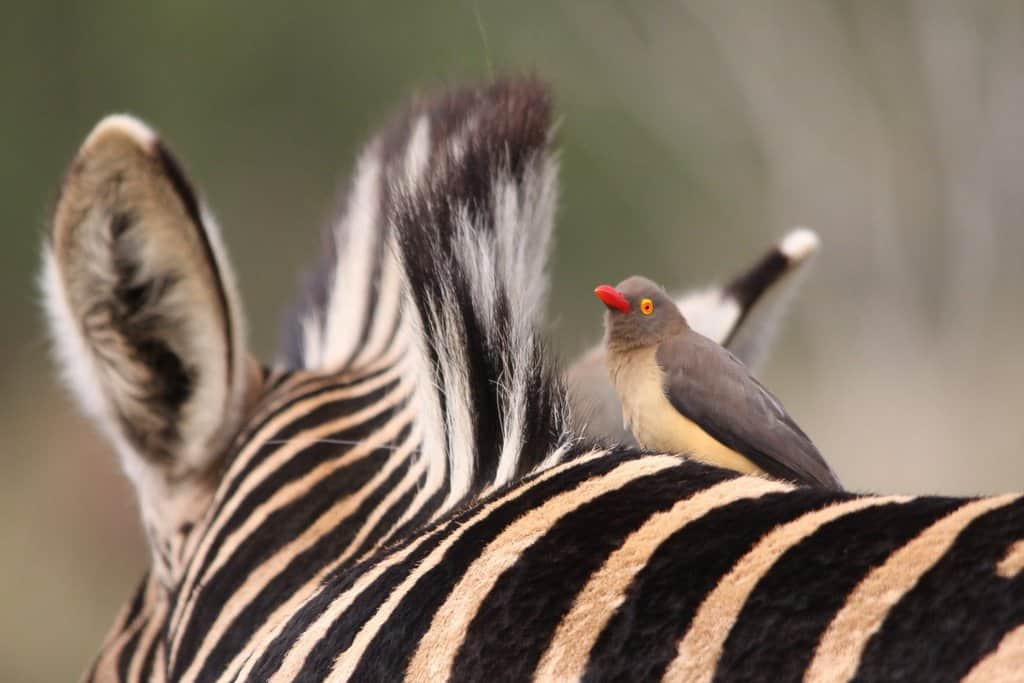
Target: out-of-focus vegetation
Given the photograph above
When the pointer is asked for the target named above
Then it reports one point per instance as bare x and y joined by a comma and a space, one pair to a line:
693, 134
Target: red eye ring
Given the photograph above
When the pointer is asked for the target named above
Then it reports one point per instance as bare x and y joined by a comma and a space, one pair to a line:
647, 307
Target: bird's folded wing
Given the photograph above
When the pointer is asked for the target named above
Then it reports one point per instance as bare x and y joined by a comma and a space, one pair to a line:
712, 388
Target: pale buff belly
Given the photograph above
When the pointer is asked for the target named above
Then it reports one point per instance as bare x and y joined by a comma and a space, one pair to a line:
657, 425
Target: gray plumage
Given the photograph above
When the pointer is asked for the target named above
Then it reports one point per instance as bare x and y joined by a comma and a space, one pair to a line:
682, 391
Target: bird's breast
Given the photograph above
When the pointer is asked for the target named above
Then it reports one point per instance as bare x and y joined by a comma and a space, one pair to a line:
656, 423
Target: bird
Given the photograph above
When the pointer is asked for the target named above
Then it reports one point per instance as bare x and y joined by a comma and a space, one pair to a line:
682, 392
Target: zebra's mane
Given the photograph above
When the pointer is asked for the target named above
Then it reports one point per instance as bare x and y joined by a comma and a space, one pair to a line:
440, 255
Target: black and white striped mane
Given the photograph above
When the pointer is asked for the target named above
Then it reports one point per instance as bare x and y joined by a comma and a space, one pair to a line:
457, 198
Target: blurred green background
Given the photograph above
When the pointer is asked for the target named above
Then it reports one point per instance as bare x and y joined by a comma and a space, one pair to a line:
693, 135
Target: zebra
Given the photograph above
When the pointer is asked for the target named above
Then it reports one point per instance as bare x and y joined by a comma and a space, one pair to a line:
414, 489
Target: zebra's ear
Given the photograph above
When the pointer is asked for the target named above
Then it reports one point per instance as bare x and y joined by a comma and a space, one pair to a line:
144, 313
741, 316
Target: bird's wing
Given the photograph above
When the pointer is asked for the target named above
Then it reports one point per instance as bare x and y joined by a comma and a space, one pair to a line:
708, 385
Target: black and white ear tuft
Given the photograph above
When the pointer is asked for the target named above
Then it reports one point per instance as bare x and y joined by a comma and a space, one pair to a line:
742, 316
144, 313
763, 293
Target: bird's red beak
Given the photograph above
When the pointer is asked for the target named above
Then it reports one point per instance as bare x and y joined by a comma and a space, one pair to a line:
612, 298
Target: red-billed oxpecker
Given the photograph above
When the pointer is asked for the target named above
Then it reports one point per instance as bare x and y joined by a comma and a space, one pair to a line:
682, 392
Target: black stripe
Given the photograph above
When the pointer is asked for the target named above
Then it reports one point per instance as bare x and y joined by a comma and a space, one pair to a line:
175, 174
274, 378
291, 384
778, 629
90, 675
388, 654
146, 673
421, 517
561, 562
183, 188
302, 567
481, 374
138, 600
127, 654
281, 526
285, 380
388, 519
641, 638
957, 612
749, 287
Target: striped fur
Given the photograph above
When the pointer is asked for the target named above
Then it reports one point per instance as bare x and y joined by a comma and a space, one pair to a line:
439, 252
406, 497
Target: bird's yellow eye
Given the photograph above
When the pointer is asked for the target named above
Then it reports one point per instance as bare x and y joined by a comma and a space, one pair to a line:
647, 307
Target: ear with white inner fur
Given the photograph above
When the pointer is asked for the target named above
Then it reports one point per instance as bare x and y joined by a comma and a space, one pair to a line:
742, 316
146, 322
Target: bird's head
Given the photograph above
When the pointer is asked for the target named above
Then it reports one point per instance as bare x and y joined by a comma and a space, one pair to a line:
640, 314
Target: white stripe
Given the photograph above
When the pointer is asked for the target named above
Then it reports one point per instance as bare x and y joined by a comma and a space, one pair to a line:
389, 295
385, 316
312, 332
417, 154
459, 422
524, 216
417, 365
357, 239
